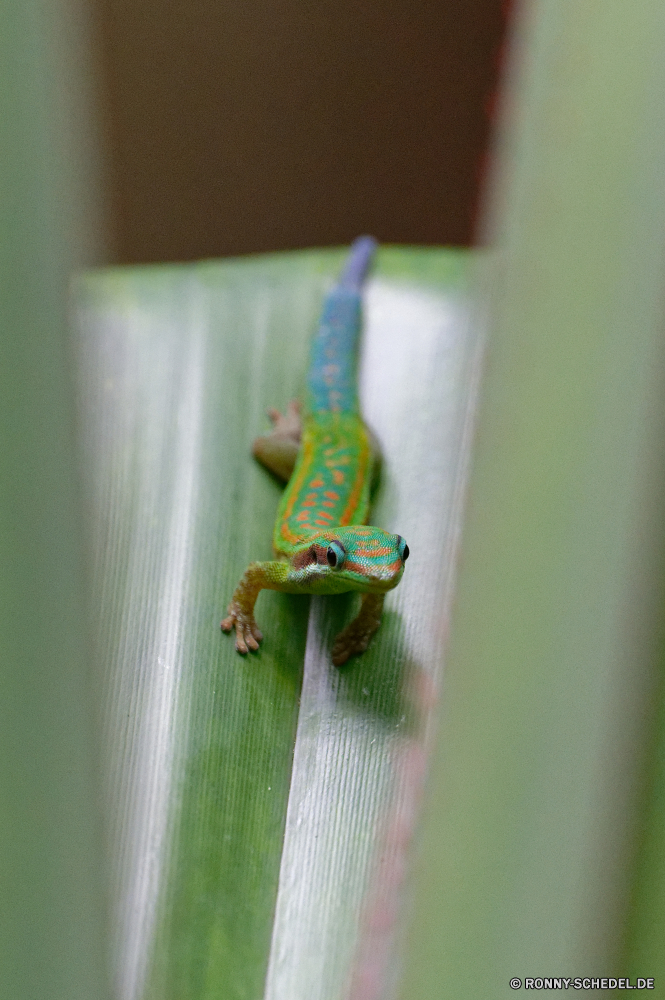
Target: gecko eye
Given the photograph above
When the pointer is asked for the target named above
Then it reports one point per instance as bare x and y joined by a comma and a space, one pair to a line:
402, 548
335, 555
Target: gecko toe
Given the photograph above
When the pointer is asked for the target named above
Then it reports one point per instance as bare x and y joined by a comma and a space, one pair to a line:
342, 650
339, 657
251, 642
240, 638
248, 634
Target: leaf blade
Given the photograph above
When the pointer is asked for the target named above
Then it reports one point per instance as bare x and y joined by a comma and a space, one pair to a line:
184, 361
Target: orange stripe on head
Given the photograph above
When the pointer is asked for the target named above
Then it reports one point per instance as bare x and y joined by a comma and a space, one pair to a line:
317, 482
338, 477
356, 567
372, 553
331, 495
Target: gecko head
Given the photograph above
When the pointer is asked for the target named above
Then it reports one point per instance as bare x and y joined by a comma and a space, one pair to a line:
361, 557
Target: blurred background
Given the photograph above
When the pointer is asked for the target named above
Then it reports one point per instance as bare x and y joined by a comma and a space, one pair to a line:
232, 128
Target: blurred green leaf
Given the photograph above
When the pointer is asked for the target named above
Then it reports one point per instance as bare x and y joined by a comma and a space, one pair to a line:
51, 860
528, 843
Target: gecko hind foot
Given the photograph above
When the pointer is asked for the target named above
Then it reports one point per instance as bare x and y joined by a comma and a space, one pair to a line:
278, 450
287, 424
248, 633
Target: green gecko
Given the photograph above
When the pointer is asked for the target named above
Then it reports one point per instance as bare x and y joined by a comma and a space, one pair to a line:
330, 459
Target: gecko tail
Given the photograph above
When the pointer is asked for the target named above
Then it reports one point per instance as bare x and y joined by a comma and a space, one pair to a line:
332, 381
357, 263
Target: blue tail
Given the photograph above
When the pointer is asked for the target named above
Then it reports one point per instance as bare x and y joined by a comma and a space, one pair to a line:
357, 263
332, 382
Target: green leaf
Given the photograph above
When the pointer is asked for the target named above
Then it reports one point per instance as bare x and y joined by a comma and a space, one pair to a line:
236, 858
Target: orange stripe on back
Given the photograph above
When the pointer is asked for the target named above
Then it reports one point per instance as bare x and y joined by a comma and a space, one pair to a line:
361, 475
294, 492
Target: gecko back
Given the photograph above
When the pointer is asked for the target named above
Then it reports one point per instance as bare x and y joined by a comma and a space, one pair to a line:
331, 481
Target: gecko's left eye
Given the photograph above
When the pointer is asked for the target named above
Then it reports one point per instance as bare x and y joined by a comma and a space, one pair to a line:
335, 555
402, 548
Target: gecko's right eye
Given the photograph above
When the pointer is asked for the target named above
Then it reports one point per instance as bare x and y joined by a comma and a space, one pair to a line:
402, 548
335, 555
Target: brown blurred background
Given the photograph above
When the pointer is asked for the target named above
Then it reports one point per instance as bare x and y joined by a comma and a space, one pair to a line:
243, 126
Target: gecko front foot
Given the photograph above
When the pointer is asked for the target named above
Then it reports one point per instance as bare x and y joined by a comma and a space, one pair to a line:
349, 643
248, 634
257, 576
354, 639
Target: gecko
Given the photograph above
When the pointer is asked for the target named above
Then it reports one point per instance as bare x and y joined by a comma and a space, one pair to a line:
321, 540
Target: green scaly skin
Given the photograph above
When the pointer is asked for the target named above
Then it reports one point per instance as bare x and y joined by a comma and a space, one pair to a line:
321, 540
